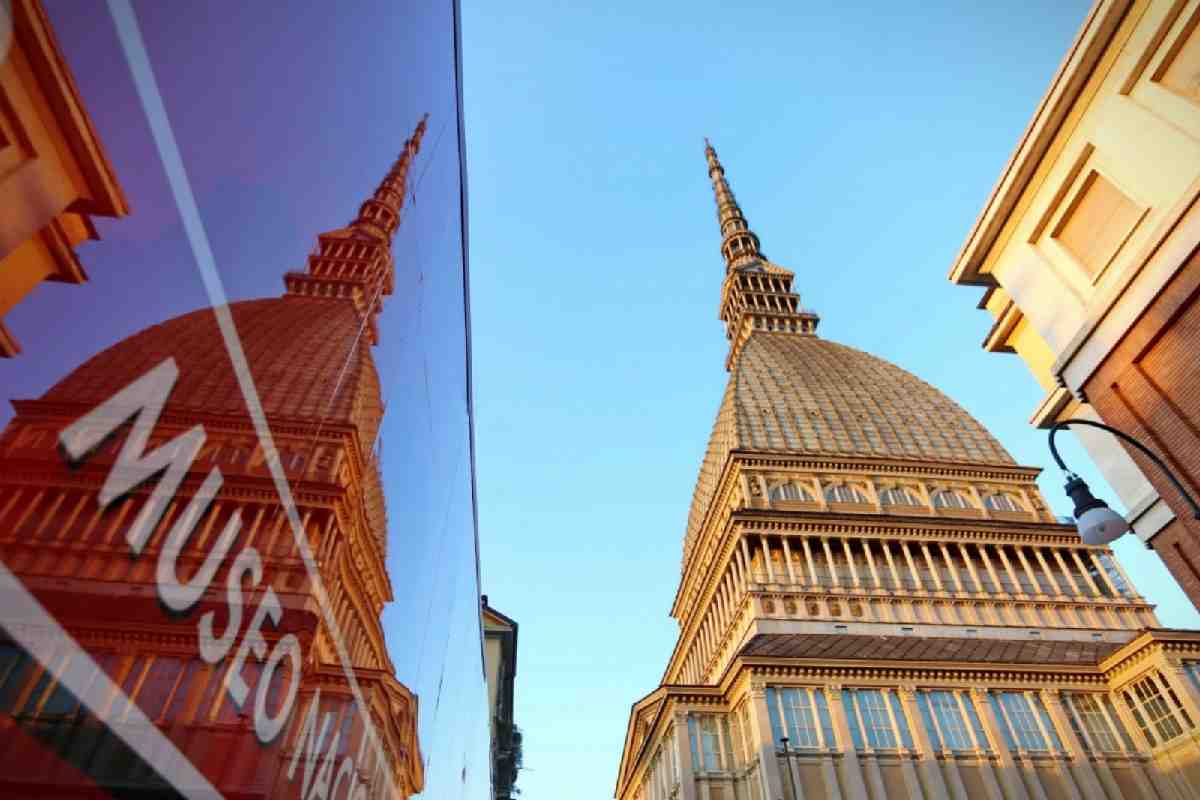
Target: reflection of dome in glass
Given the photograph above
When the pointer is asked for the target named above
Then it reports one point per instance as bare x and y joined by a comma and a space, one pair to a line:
803, 395
296, 348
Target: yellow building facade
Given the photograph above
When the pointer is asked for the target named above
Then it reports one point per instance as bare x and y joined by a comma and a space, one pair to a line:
876, 602
1087, 249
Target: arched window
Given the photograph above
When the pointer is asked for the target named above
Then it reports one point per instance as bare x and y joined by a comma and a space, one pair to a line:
897, 496
949, 498
789, 491
844, 493
1002, 502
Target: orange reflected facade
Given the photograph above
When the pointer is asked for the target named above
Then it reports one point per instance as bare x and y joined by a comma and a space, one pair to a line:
193, 578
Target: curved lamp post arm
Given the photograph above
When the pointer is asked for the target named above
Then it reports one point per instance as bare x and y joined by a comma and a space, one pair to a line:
1124, 437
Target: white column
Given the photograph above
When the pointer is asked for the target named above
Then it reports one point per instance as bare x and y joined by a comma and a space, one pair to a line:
1133, 592
1049, 573
958, 587
991, 570
787, 560
897, 584
766, 551
735, 563
1008, 567
933, 570
1103, 573
962, 550
912, 567
747, 562
850, 561
1086, 575
871, 564
833, 573
812, 566
1037, 587
1067, 572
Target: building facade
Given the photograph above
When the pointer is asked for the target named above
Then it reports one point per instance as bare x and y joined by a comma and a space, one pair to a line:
1087, 249
141, 510
875, 601
500, 663
54, 174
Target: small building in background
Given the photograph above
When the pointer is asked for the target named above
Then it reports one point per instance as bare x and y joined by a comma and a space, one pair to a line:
54, 174
1087, 252
500, 661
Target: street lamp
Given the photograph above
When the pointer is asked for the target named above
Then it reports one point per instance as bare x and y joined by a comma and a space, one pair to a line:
1096, 522
787, 762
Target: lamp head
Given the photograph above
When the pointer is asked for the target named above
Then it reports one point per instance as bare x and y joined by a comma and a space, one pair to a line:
1095, 521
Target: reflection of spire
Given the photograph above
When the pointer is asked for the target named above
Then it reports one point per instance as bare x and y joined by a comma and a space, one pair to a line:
380, 213
738, 243
356, 262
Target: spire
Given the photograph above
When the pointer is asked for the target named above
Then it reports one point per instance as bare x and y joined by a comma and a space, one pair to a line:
379, 214
739, 245
355, 262
756, 296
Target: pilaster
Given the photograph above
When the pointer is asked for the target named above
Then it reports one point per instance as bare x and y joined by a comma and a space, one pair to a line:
1010, 777
683, 757
768, 762
931, 774
1079, 765
852, 774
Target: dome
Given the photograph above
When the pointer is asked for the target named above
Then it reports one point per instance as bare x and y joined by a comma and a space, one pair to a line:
802, 395
296, 348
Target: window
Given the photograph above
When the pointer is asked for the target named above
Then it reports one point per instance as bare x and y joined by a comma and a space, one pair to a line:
844, 493
897, 496
707, 733
1002, 502
1025, 722
800, 714
789, 491
876, 719
1157, 719
1088, 714
949, 498
946, 714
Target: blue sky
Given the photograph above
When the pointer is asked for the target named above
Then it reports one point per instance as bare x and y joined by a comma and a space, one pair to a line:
861, 140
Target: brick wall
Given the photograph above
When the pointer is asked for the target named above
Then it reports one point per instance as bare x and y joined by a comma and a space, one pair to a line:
1149, 387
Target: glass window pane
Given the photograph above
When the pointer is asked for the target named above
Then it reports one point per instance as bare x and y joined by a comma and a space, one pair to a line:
823, 715
1021, 719
949, 718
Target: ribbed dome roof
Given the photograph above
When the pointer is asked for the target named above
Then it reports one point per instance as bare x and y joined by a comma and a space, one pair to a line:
804, 395
296, 348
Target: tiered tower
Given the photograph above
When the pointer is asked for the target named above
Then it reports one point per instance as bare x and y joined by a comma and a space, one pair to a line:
868, 573
72, 544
